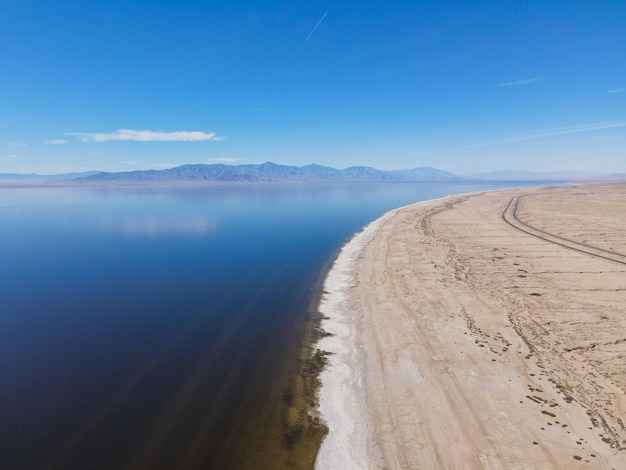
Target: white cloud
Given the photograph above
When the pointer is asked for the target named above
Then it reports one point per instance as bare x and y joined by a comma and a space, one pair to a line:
225, 160
526, 81
18, 144
146, 136
617, 90
6, 159
545, 133
56, 142
128, 162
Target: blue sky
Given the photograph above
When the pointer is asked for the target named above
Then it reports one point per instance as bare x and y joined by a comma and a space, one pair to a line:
461, 86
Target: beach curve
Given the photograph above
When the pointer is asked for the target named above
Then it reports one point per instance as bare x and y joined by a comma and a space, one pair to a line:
459, 342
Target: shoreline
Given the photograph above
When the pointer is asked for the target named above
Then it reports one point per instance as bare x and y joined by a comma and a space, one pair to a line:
341, 394
289, 432
427, 366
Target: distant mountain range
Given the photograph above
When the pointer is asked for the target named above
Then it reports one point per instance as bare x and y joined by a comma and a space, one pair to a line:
518, 175
36, 177
272, 172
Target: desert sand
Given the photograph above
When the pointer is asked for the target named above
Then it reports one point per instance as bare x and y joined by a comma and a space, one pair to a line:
480, 331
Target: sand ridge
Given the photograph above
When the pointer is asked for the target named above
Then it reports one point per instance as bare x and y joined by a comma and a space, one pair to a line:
463, 342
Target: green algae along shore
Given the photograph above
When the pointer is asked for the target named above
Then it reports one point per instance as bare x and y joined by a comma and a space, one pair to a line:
287, 433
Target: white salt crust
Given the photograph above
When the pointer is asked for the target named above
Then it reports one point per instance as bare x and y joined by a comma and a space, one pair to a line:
342, 399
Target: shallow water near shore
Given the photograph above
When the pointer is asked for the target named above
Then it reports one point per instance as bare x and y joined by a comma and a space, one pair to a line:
156, 327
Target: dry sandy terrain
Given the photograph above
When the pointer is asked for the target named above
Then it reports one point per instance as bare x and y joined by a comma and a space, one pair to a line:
461, 341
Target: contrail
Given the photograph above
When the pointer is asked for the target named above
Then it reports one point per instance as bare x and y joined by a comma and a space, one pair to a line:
545, 133
316, 26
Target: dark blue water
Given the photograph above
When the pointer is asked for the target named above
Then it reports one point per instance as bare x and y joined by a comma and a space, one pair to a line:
142, 327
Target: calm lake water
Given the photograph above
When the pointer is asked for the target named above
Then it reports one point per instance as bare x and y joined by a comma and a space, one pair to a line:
142, 327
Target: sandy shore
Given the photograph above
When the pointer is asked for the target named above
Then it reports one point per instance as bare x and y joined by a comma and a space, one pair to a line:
480, 331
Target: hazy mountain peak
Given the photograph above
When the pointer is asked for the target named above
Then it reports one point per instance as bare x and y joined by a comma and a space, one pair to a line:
273, 172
